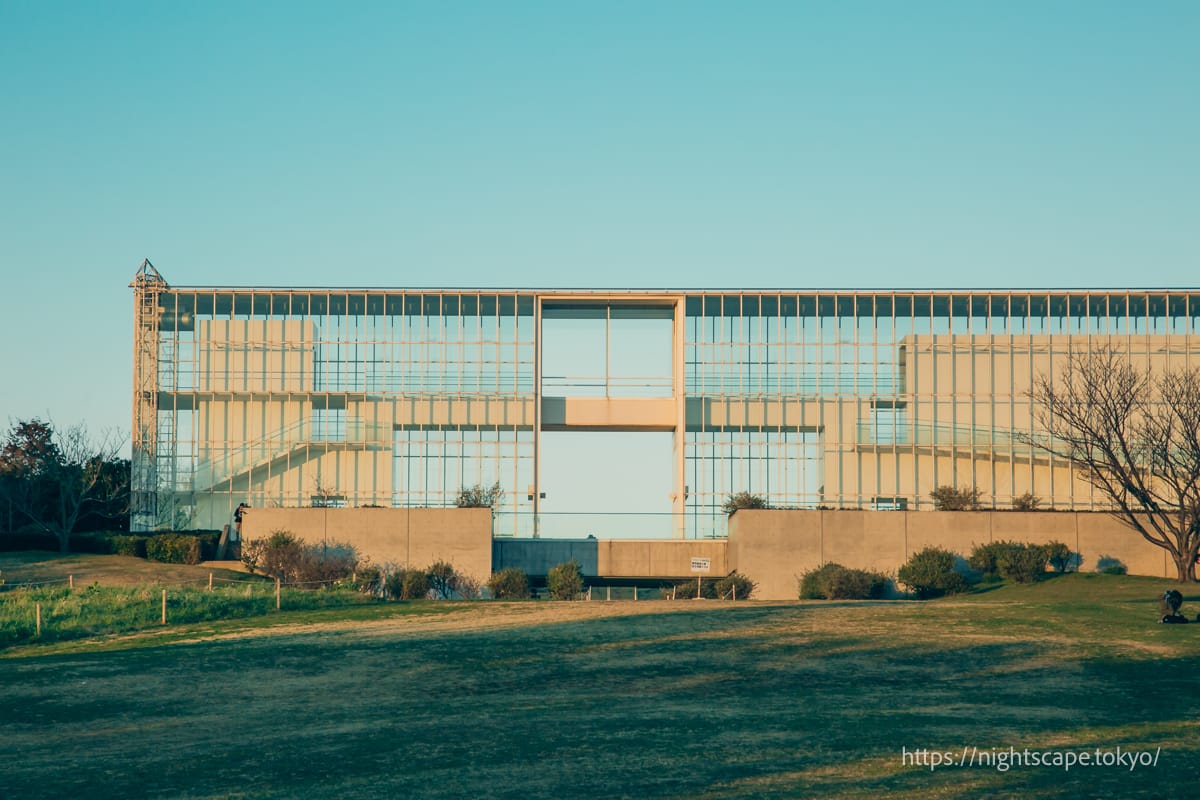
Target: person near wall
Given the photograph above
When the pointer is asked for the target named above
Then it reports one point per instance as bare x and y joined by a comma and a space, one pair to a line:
238, 514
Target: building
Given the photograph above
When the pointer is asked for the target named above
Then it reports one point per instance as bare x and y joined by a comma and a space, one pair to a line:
862, 400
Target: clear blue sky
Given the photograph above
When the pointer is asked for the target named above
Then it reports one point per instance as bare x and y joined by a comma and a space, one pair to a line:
608, 143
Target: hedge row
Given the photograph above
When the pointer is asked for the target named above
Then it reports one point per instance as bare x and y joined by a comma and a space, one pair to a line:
189, 547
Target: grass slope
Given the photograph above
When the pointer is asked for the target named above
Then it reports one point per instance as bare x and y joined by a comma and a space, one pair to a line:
651, 699
36, 566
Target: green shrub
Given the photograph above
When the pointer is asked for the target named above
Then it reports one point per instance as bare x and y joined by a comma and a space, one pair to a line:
95, 542
1024, 564
743, 500
930, 573
1059, 556
953, 498
406, 584
368, 579
1016, 561
209, 541
414, 585
735, 580
186, 547
510, 583
1107, 565
986, 558
173, 548
129, 546
565, 581
835, 582
393, 584
687, 590
812, 582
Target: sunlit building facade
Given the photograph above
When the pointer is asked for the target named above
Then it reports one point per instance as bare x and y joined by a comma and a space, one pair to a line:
403, 397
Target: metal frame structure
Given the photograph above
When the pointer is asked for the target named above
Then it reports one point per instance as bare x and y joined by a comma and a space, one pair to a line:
841, 399
148, 286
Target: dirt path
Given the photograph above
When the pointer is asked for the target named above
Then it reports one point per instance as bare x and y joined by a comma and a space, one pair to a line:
467, 617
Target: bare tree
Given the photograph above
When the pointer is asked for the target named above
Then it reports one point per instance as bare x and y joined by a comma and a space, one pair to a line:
53, 478
325, 495
1135, 437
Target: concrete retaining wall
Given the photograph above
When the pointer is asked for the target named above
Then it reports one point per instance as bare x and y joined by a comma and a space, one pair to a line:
774, 547
413, 536
659, 558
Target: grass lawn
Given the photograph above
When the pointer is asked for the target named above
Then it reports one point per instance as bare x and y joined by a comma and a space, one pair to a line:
36, 566
649, 699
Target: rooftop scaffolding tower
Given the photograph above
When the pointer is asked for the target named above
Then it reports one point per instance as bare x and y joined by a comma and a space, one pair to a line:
148, 286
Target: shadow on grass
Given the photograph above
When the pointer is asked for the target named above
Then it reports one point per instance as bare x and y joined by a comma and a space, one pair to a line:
734, 702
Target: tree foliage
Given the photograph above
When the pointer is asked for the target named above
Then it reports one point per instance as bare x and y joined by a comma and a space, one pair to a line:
56, 480
1135, 437
479, 496
285, 556
510, 583
1059, 556
441, 579
741, 500
1026, 502
565, 581
955, 498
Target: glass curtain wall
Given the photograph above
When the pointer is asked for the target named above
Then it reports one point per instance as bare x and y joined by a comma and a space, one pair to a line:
838, 399
276, 397
871, 400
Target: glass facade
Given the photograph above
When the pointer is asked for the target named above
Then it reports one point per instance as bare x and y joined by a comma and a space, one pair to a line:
864, 400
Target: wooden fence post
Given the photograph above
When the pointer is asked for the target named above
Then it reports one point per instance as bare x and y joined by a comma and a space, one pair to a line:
277, 601
164, 616
210, 581
71, 581
39, 620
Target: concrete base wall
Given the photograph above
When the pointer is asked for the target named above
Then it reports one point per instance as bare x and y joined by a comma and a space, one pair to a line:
774, 547
771, 547
658, 558
408, 536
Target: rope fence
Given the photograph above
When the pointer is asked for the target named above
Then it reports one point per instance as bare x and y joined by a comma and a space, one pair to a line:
163, 602
183, 595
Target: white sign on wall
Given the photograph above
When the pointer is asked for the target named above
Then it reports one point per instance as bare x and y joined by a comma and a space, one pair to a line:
701, 565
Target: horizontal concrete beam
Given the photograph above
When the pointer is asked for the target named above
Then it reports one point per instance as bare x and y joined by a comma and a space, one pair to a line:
608, 413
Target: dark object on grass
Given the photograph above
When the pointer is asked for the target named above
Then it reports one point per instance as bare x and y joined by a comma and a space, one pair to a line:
1169, 605
1171, 602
